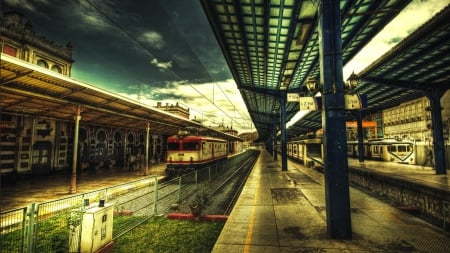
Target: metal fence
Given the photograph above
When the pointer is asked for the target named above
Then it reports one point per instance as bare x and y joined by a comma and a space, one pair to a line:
46, 227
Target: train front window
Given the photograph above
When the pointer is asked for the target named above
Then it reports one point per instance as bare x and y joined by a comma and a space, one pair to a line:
190, 145
403, 148
172, 146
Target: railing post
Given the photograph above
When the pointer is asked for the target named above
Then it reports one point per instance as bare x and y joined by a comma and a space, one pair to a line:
155, 196
209, 173
30, 229
179, 189
196, 178
446, 209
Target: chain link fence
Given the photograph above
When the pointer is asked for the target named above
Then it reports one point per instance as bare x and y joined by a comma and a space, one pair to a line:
47, 227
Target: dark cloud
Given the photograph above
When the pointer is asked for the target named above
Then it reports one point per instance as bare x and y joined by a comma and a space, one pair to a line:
148, 50
130, 42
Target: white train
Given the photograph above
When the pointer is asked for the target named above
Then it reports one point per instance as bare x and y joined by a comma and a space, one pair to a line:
309, 151
389, 150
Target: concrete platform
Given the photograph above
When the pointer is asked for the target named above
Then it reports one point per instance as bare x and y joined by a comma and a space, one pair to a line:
284, 211
45, 188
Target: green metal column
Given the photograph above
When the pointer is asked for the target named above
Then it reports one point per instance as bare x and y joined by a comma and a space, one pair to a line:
283, 131
438, 137
360, 137
333, 120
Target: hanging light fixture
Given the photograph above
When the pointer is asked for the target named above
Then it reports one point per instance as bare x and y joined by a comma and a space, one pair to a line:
311, 84
352, 81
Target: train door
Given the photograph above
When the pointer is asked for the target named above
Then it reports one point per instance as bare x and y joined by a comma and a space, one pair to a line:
206, 151
41, 158
377, 151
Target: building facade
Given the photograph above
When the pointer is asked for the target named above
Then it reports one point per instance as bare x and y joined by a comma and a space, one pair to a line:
412, 121
19, 40
33, 144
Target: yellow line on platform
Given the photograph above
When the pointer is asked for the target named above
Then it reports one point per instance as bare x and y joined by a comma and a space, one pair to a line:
248, 238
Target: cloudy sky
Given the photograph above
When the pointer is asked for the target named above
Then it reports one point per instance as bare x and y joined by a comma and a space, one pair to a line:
165, 50
148, 50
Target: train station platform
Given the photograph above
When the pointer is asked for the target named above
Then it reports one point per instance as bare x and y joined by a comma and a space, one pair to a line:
424, 175
284, 211
40, 189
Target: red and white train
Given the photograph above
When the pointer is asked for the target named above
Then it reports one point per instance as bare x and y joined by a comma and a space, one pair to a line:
187, 153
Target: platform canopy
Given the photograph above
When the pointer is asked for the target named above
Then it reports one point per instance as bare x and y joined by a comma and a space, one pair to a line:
27, 89
276, 45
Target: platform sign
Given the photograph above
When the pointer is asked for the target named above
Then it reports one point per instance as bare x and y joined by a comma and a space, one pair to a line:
307, 104
293, 97
352, 102
355, 101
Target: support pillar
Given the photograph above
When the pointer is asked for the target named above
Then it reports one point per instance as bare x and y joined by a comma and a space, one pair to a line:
274, 138
360, 136
283, 131
333, 119
73, 179
147, 144
438, 136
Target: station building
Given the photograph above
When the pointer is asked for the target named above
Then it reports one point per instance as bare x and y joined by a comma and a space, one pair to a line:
410, 121
32, 143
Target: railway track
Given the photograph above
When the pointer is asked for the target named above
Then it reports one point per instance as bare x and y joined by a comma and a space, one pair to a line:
223, 192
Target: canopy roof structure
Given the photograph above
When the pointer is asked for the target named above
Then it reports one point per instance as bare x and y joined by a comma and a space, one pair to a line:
276, 46
268, 47
28, 89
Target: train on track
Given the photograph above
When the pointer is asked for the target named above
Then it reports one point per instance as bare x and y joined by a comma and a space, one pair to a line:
310, 150
186, 153
388, 150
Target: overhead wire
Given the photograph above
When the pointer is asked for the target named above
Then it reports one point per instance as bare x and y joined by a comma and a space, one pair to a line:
140, 44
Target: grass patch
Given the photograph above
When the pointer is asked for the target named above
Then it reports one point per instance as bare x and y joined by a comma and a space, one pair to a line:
160, 234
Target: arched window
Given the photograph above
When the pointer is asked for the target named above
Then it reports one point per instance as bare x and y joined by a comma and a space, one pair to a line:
57, 69
101, 135
42, 63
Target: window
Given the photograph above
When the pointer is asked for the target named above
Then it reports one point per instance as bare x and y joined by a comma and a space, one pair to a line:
42, 63
190, 145
9, 50
101, 135
172, 146
57, 69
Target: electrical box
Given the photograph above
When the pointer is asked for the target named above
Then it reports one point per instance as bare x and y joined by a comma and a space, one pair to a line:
95, 231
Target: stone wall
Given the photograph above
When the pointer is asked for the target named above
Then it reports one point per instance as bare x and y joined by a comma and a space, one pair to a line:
418, 197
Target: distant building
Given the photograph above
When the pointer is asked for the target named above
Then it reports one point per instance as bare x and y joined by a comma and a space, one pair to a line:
226, 130
174, 109
18, 39
411, 120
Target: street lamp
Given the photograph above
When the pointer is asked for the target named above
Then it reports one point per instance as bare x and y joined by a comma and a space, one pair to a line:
352, 82
311, 84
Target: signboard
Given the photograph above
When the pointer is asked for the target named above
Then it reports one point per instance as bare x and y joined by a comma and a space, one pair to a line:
293, 97
307, 104
352, 102
355, 101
